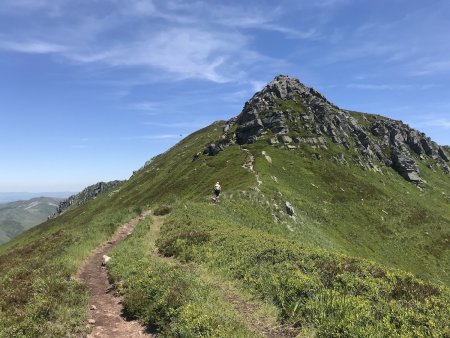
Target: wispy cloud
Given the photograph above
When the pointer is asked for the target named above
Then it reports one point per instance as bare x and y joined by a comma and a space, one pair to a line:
143, 106
182, 41
161, 137
240, 18
442, 123
154, 137
175, 124
427, 67
372, 86
32, 47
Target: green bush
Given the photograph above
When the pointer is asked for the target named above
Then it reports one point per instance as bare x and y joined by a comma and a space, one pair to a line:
138, 210
162, 210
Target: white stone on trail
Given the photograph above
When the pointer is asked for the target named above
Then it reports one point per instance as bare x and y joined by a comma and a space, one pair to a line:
268, 158
105, 260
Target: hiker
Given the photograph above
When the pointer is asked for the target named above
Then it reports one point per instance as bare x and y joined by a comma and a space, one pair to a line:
217, 190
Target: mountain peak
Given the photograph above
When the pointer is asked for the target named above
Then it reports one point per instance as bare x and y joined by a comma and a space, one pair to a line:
285, 87
290, 115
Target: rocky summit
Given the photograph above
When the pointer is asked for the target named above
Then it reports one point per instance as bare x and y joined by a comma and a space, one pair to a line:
289, 114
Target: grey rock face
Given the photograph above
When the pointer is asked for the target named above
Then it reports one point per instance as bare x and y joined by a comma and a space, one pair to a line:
287, 111
249, 131
406, 167
89, 193
442, 154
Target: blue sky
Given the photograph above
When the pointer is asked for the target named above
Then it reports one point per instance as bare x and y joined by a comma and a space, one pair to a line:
91, 89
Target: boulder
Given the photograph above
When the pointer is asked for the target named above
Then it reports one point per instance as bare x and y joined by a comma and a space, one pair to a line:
273, 141
211, 149
289, 209
284, 139
406, 167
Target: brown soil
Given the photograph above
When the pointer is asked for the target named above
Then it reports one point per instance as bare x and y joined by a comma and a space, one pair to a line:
105, 315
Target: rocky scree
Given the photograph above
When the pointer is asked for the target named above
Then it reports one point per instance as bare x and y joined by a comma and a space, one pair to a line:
293, 115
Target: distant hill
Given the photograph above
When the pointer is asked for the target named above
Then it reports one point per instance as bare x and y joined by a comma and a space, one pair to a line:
16, 217
6, 197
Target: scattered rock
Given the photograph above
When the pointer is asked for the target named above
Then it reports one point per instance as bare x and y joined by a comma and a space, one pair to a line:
105, 260
91, 321
93, 307
211, 149
284, 139
289, 209
267, 157
273, 141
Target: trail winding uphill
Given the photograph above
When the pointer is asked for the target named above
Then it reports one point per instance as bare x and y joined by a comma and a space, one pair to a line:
105, 309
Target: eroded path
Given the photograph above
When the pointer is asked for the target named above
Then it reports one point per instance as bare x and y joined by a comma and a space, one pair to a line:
105, 308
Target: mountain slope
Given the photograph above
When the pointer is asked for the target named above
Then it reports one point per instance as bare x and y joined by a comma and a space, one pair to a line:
16, 217
306, 199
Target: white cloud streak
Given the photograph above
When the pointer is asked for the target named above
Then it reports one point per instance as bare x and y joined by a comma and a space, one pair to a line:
442, 123
32, 47
183, 41
372, 86
176, 124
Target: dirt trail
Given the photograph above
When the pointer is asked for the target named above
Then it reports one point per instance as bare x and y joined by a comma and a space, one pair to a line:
106, 309
249, 312
250, 165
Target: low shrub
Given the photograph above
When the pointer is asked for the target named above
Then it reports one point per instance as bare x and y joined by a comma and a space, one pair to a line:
162, 210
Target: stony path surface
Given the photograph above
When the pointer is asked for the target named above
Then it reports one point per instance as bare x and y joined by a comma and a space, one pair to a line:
105, 308
250, 165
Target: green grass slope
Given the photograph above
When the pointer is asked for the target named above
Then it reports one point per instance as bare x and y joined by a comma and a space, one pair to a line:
16, 217
331, 268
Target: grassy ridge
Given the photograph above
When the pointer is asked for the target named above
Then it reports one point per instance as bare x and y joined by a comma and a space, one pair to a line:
319, 292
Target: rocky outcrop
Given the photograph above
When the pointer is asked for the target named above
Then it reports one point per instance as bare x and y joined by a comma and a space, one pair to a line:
89, 193
289, 114
406, 167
